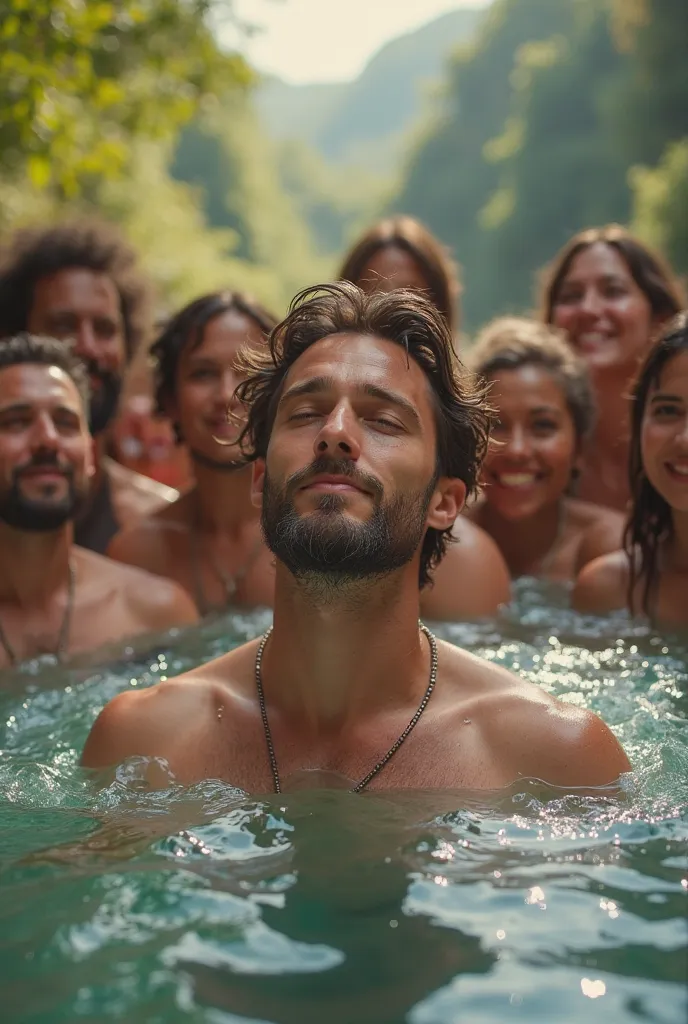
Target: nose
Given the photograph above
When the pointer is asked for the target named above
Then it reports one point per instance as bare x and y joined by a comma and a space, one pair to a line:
86, 342
591, 303
339, 435
517, 444
227, 386
44, 434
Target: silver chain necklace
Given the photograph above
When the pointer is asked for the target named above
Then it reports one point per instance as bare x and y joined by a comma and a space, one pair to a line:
63, 636
432, 641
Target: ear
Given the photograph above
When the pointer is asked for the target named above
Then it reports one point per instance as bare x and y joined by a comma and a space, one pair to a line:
257, 483
446, 503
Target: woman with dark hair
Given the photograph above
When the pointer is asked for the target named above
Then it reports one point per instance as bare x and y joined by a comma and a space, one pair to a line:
650, 575
543, 401
401, 253
611, 294
209, 540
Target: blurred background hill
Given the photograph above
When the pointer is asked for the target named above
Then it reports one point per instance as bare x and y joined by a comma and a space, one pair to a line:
505, 129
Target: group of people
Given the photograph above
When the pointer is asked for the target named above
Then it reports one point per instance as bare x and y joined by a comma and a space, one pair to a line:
352, 473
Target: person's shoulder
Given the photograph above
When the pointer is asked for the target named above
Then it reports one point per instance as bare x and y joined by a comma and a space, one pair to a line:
149, 723
135, 494
157, 602
602, 584
141, 723
149, 542
471, 581
537, 736
601, 530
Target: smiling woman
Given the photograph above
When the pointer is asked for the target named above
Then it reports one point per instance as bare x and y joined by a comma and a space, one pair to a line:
544, 405
651, 576
611, 294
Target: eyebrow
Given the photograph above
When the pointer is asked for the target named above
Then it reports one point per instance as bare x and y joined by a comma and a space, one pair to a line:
662, 396
28, 407
316, 385
545, 408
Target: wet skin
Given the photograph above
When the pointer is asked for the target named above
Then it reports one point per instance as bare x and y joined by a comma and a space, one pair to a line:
207, 413
343, 679
603, 585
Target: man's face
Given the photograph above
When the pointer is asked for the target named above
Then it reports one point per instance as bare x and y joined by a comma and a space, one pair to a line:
83, 306
45, 449
350, 485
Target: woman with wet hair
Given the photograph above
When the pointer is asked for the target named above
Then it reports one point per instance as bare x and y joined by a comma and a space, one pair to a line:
209, 540
611, 294
544, 409
400, 252
650, 575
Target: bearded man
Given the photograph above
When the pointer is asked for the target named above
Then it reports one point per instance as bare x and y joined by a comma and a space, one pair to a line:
366, 437
56, 598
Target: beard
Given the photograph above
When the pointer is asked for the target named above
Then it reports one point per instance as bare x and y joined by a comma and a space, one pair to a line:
104, 398
327, 545
41, 515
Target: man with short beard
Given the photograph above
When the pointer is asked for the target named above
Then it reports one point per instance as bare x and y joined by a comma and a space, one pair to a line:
79, 282
56, 598
366, 437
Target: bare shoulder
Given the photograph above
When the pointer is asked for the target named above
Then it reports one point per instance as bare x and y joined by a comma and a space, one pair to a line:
471, 581
601, 531
602, 585
533, 734
161, 720
150, 541
158, 603
135, 495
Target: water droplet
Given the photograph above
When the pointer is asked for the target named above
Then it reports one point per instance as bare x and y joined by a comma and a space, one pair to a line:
466, 721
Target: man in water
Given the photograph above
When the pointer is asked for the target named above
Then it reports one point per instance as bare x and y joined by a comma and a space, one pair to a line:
79, 281
366, 438
56, 598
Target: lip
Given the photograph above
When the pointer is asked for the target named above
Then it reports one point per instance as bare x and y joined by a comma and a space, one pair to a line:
676, 473
43, 474
332, 483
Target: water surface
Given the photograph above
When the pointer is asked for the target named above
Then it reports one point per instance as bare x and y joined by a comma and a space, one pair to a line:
204, 905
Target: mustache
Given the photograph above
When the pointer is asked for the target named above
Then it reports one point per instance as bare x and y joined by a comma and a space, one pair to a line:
337, 467
94, 369
43, 460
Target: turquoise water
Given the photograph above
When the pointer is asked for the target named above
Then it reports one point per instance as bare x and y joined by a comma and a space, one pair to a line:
202, 905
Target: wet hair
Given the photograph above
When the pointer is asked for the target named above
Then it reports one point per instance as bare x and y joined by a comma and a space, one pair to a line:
650, 518
433, 259
511, 342
34, 253
33, 349
462, 415
649, 270
187, 327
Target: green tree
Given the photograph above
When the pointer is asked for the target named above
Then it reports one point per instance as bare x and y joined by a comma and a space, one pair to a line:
660, 210
80, 78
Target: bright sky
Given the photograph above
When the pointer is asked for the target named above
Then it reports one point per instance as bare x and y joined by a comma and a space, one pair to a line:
329, 40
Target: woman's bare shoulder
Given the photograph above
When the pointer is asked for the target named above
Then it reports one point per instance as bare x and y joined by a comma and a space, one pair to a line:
602, 584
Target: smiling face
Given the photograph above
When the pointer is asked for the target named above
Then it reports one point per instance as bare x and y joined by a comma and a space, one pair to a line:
606, 315
83, 306
204, 406
531, 467
349, 485
45, 448
664, 434
392, 267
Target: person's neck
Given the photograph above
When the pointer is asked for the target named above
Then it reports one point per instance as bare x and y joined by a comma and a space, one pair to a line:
223, 499
33, 565
611, 433
524, 542
335, 657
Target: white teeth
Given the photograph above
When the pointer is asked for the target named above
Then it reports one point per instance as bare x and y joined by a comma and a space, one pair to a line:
594, 337
681, 470
516, 479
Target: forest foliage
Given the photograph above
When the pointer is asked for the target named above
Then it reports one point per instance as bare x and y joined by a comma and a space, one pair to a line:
556, 115
560, 115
